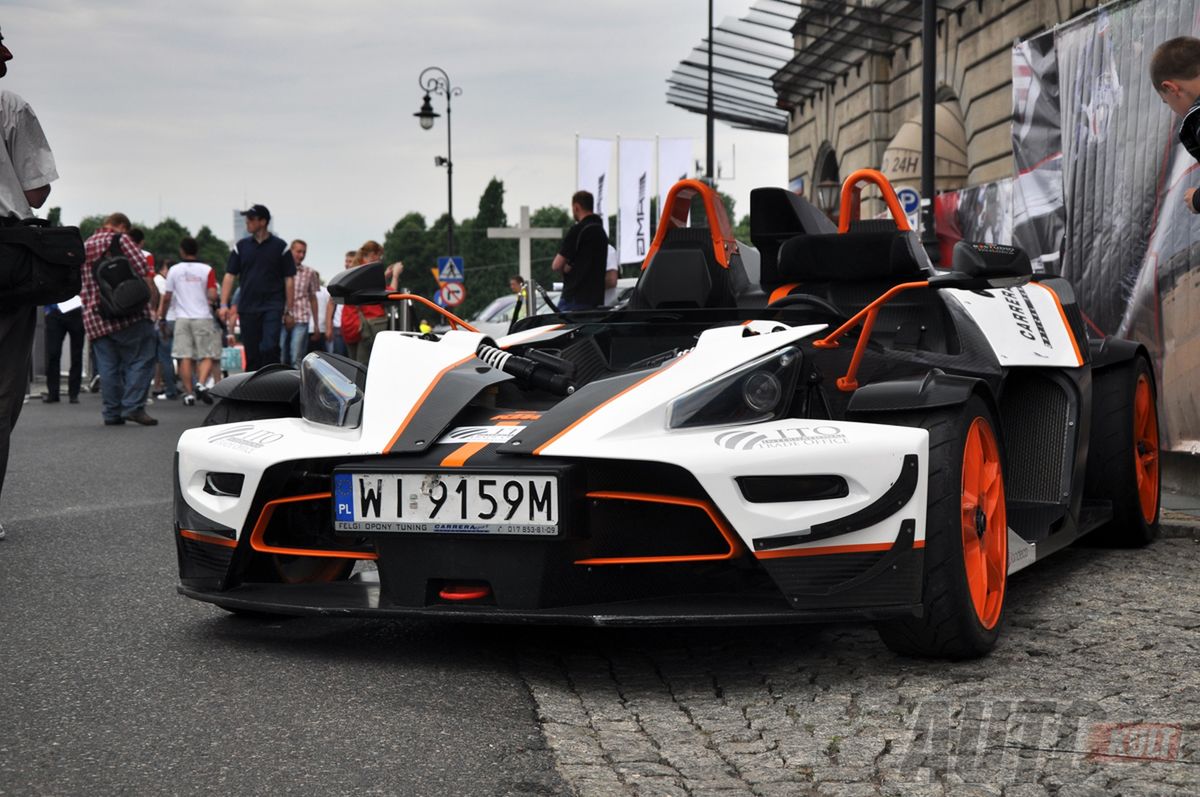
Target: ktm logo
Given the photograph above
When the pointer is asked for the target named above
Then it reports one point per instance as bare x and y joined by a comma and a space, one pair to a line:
517, 416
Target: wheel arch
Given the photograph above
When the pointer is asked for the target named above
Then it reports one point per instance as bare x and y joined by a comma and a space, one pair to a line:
272, 384
933, 390
1111, 351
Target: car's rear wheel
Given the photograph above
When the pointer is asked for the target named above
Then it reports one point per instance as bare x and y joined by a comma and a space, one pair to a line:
1123, 453
280, 568
966, 539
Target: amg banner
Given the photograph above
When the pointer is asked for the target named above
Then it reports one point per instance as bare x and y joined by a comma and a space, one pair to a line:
1127, 241
593, 156
635, 168
674, 164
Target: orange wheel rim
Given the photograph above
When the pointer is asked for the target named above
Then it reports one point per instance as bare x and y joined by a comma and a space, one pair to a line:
984, 523
1145, 448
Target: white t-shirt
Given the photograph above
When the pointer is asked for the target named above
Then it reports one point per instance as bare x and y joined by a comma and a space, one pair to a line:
189, 281
160, 282
322, 303
26, 161
613, 264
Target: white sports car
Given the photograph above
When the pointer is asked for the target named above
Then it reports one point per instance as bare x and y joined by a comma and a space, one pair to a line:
842, 432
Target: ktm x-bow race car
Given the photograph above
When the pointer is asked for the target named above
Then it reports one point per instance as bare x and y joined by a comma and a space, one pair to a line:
826, 428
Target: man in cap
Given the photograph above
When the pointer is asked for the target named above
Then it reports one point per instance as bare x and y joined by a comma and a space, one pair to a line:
263, 265
26, 171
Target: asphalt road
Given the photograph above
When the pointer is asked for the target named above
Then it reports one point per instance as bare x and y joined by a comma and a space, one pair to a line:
111, 683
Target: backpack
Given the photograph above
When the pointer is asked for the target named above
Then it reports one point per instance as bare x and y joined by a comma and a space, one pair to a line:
39, 264
123, 292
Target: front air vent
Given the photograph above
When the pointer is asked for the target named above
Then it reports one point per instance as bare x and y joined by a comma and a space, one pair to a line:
779, 489
224, 484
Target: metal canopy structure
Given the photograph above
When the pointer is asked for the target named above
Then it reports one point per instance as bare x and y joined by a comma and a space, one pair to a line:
747, 52
835, 37
785, 52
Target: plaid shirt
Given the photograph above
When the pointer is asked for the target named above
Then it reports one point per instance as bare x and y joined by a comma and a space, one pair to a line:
304, 287
95, 249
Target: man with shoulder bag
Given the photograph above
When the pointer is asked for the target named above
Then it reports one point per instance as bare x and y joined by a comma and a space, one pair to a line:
26, 171
118, 292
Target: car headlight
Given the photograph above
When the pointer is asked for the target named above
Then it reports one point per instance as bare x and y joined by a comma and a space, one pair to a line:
758, 391
327, 394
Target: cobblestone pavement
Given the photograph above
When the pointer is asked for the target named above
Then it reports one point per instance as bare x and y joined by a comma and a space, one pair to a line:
1093, 689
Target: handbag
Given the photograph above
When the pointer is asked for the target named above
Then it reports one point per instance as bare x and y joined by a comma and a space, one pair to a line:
39, 264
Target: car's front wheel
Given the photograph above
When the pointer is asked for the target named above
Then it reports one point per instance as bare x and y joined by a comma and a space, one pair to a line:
966, 538
1123, 453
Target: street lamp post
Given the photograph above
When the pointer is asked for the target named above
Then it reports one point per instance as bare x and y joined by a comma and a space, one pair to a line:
439, 83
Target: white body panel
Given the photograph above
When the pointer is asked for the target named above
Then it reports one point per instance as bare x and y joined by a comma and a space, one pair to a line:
631, 426
1024, 325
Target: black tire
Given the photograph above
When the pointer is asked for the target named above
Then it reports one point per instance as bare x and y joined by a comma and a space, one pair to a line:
950, 626
1116, 452
276, 568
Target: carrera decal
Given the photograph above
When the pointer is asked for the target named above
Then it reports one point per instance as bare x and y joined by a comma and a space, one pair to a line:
481, 434
1025, 315
517, 416
791, 437
246, 437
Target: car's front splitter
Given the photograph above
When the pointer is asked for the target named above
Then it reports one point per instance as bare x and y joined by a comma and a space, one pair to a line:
364, 599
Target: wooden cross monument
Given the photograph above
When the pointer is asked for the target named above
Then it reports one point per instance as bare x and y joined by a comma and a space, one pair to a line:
524, 233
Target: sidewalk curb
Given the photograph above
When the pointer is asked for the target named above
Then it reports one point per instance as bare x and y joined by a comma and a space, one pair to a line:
1179, 525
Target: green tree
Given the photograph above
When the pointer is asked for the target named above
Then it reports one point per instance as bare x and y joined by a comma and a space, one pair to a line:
543, 250
162, 240
212, 250
488, 262
54, 217
89, 224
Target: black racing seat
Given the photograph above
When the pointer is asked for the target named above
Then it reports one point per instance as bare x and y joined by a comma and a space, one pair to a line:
852, 269
778, 215
684, 273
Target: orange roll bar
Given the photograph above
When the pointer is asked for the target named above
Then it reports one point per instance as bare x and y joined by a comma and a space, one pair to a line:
454, 320
852, 198
675, 211
866, 317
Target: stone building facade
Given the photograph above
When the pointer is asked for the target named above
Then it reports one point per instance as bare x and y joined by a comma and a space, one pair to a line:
871, 85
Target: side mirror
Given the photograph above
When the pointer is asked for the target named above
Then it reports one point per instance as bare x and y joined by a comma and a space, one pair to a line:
369, 277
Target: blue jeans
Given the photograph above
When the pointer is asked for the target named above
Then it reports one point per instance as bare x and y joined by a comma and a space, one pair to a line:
125, 361
260, 337
162, 339
293, 344
336, 345
566, 305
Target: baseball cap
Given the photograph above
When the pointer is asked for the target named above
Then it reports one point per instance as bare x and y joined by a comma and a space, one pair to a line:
258, 212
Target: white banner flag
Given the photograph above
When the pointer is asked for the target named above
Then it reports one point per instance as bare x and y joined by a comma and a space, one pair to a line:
674, 164
636, 162
594, 156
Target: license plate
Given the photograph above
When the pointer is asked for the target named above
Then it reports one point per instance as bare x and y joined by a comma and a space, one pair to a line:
446, 503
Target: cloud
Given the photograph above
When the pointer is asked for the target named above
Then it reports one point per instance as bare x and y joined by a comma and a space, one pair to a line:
194, 109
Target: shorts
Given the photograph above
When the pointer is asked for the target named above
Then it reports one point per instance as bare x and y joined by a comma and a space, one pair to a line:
196, 339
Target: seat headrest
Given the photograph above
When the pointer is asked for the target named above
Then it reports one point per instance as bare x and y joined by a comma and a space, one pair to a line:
990, 261
674, 278
854, 257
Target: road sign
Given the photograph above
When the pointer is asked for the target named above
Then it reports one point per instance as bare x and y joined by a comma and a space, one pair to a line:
451, 294
910, 202
450, 269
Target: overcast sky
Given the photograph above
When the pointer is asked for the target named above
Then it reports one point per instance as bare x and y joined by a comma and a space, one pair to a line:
192, 109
